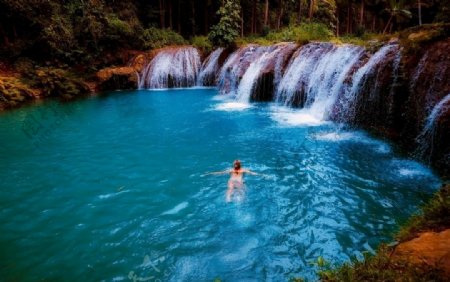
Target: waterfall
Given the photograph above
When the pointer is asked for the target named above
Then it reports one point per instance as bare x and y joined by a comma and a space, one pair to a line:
315, 77
210, 68
271, 60
235, 67
425, 139
297, 73
347, 107
171, 67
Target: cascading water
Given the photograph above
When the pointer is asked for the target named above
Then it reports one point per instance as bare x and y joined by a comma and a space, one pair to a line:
271, 60
425, 140
297, 73
347, 103
235, 67
318, 74
210, 68
172, 67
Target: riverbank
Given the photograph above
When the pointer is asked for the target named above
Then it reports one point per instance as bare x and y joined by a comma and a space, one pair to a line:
421, 252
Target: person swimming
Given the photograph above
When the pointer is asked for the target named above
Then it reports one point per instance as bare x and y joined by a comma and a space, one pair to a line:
236, 181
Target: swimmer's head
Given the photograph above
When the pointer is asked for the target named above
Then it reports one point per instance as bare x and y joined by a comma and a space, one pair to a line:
237, 164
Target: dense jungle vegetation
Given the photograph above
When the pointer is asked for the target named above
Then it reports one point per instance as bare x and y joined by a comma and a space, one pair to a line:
79, 32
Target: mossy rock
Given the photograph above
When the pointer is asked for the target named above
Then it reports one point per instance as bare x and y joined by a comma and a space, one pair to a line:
13, 92
59, 83
412, 39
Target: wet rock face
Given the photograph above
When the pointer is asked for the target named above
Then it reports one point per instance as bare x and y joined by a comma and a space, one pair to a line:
427, 75
272, 71
380, 96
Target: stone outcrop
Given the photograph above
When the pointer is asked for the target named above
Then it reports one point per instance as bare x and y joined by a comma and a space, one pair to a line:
430, 248
117, 78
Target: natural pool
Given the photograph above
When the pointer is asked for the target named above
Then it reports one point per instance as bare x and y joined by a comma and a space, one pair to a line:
111, 188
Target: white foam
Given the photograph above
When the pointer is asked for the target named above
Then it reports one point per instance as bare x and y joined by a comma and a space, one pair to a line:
232, 106
407, 168
176, 209
335, 136
107, 196
296, 118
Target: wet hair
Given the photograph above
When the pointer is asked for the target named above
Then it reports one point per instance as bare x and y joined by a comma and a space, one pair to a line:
237, 164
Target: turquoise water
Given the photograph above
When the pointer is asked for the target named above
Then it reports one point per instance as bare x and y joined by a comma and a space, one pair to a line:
112, 188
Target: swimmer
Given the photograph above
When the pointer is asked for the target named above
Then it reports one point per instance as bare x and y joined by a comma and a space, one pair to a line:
236, 180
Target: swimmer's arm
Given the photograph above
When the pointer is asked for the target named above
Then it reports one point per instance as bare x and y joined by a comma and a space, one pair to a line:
254, 173
251, 172
217, 172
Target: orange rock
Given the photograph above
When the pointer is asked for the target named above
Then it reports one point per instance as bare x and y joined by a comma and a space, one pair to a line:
430, 248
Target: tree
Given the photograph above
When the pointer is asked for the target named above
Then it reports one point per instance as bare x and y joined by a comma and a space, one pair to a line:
396, 10
266, 13
224, 33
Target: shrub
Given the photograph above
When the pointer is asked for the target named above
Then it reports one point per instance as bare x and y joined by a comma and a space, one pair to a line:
202, 43
154, 38
226, 31
13, 92
118, 28
303, 33
58, 83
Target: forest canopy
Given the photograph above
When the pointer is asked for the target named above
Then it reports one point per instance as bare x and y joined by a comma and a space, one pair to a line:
77, 30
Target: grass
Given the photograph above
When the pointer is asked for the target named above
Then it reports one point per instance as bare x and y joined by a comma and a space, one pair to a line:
302, 34
380, 267
433, 216
308, 32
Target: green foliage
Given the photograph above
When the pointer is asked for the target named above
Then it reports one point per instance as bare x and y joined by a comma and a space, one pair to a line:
326, 13
443, 14
435, 216
14, 92
202, 43
413, 39
58, 83
303, 33
58, 35
117, 27
156, 38
380, 267
226, 31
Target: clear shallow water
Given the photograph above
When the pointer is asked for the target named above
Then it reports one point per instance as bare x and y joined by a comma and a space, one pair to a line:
111, 188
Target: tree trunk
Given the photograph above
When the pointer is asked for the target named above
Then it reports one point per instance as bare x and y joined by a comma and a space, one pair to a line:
179, 16
361, 15
374, 20
242, 23
161, 13
253, 24
388, 24
266, 13
299, 20
4, 35
170, 15
419, 7
337, 24
311, 9
193, 17
348, 18
280, 15
205, 19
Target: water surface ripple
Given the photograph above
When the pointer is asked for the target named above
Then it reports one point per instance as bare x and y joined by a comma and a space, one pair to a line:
111, 189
